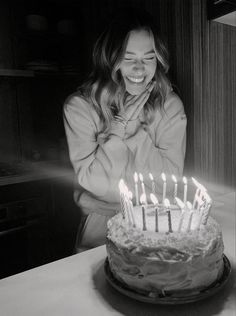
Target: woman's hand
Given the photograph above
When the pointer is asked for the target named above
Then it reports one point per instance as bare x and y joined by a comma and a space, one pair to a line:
133, 104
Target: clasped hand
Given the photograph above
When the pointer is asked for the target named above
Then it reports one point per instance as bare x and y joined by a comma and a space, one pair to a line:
131, 107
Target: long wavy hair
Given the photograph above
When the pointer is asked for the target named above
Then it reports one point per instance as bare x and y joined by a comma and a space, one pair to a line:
105, 83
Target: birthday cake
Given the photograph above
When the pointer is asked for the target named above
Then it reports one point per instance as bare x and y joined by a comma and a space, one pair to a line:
161, 247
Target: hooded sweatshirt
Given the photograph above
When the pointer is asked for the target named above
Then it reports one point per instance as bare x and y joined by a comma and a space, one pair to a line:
101, 160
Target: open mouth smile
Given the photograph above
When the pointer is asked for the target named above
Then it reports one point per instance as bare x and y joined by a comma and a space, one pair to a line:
136, 80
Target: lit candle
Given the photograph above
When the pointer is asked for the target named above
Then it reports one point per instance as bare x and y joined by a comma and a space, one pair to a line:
190, 207
128, 211
175, 187
199, 201
207, 209
204, 208
182, 207
196, 197
156, 208
142, 184
153, 183
180, 203
167, 205
136, 188
154, 199
122, 197
199, 185
143, 201
199, 193
205, 214
200, 213
130, 195
164, 187
202, 194
127, 202
185, 181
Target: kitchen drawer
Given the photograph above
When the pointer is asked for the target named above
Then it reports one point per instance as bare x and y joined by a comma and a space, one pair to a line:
23, 209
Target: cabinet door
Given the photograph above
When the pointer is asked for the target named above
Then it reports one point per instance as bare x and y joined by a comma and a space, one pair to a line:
25, 213
8, 111
9, 129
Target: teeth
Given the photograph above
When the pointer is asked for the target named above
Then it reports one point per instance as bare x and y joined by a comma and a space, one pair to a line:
136, 80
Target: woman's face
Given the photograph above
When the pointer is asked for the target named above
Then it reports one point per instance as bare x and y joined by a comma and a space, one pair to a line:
139, 63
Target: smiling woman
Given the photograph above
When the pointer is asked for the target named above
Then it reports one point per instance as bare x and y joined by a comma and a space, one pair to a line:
124, 118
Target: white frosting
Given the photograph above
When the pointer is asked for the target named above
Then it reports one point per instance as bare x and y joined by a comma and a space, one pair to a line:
150, 261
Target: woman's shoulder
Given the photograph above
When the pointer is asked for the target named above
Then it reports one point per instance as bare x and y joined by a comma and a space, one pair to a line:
173, 104
78, 108
76, 105
76, 101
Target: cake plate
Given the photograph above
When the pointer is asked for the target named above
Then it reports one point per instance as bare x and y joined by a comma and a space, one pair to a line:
170, 297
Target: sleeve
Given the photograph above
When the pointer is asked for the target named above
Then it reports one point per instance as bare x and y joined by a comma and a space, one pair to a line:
164, 148
95, 164
171, 141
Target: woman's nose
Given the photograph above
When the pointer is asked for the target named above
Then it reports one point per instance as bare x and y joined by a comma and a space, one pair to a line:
138, 66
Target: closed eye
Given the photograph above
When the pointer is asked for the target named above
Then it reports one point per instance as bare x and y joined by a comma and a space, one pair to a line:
150, 58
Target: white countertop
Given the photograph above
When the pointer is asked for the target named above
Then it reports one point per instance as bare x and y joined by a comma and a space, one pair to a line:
77, 286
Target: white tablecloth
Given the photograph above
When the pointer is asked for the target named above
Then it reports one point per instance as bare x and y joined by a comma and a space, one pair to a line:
77, 286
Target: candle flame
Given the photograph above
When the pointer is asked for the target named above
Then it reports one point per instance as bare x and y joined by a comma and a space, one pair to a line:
185, 181
143, 199
151, 176
135, 177
163, 177
130, 195
202, 188
167, 203
199, 185
141, 177
154, 199
121, 185
195, 181
126, 190
189, 205
174, 178
180, 203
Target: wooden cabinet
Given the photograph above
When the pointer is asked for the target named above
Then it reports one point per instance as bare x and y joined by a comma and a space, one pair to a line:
38, 221
39, 68
24, 227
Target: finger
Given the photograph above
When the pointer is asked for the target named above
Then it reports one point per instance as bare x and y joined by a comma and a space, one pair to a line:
131, 99
145, 94
140, 107
120, 102
136, 106
135, 99
149, 88
141, 98
137, 110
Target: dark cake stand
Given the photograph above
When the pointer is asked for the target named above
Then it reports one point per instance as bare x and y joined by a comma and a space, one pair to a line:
170, 297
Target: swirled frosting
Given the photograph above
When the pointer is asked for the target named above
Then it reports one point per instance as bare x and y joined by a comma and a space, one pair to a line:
146, 260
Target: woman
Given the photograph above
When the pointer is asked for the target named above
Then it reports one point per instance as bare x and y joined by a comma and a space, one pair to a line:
124, 118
